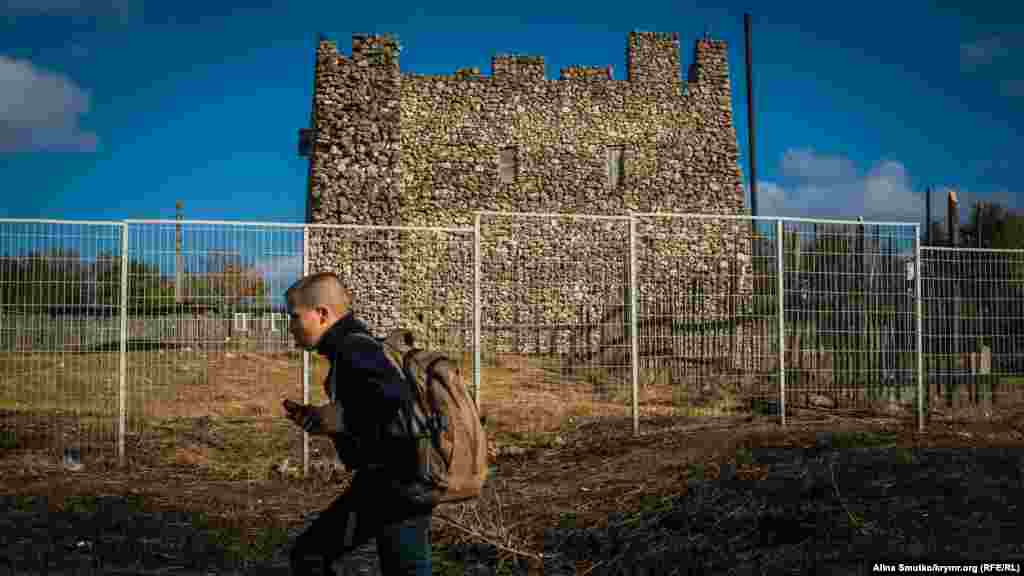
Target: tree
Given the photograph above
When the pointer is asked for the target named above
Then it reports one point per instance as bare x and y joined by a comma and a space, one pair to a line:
223, 280
62, 280
999, 227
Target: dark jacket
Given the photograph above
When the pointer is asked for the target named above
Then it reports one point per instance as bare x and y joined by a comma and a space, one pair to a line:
370, 390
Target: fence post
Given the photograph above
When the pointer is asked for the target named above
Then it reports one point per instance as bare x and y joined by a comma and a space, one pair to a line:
476, 309
122, 419
305, 359
635, 348
918, 273
781, 270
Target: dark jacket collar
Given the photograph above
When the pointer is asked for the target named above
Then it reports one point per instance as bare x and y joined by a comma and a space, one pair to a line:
335, 335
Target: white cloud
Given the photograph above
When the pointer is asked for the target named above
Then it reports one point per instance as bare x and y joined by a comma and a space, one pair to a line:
280, 272
770, 199
803, 163
40, 110
829, 186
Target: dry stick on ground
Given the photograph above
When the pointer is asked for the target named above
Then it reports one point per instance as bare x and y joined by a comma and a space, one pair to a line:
489, 540
862, 526
502, 540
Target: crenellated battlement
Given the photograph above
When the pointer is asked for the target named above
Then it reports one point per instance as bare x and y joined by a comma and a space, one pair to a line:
381, 49
586, 73
517, 68
652, 58
710, 62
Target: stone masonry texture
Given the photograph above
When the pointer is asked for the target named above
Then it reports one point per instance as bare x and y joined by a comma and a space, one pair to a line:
412, 150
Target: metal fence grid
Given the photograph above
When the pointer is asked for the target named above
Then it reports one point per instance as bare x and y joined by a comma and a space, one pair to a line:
554, 298
706, 316
59, 290
139, 337
973, 337
206, 344
850, 318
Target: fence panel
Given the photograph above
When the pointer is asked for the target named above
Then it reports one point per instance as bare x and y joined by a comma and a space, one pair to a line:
850, 317
973, 331
727, 314
206, 366
708, 321
555, 330
59, 310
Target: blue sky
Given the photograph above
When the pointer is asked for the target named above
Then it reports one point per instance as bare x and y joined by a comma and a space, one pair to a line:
116, 109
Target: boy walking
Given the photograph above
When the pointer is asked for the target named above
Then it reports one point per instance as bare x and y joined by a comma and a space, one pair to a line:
366, 391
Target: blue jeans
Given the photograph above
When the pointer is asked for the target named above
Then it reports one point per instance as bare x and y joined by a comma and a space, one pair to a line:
360, 514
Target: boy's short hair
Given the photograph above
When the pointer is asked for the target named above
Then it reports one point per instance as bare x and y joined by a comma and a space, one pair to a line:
320, 289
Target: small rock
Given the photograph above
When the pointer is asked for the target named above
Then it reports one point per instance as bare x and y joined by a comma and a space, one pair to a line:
72, 460
727, 472
513, 450
823, 440
821, 401
286, 469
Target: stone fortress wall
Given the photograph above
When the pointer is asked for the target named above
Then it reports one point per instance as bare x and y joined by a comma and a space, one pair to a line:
391, 148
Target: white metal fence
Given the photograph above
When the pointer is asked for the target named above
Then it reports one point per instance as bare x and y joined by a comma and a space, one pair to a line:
111, 332
973, 329
109, 355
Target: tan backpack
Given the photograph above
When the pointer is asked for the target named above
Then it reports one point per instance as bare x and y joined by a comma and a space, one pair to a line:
451, 443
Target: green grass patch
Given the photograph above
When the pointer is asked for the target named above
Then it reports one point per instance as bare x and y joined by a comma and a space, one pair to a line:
23, 503
85, 505
8, 440
744, 457
696, 471
858, 439
238, 544
905, 456
567, 521
528, 440
442, 565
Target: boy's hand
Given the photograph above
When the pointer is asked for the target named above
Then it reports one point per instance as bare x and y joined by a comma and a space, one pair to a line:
303, 415
314, 420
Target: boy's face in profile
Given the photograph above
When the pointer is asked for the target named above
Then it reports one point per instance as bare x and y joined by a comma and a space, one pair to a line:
307, 325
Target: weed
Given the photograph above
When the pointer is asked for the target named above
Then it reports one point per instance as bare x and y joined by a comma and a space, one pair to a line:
266, 542
80, 504
23, 503
227, 539
696, 471
442, 565
8, 441
567, 520
904, 456
744, 457
859, 439
856, 521
503, 568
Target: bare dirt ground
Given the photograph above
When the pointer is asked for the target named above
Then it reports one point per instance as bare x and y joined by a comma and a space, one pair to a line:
573, 491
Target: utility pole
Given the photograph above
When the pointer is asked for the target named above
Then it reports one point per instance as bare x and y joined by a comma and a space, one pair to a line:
750, 119
928, 215
179, 264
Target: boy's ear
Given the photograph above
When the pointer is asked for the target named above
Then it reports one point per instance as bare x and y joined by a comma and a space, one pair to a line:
324, 312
